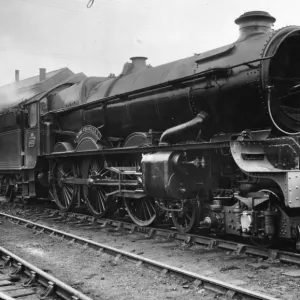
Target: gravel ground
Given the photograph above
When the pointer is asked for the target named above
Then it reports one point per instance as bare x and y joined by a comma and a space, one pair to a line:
99, 276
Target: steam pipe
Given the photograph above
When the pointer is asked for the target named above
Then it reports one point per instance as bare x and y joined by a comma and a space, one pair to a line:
171, 135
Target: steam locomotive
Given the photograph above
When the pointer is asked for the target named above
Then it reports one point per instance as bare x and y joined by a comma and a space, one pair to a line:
212, 140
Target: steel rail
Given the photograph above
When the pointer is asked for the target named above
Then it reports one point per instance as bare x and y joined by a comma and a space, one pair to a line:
208, 241
51, 283
217, 285
5, 297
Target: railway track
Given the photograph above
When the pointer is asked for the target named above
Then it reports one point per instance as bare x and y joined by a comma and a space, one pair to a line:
89, 222
220, 287
20, 279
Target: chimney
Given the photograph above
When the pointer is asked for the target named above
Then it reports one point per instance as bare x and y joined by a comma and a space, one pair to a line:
17, 75
254, 22
139, 63
42, 74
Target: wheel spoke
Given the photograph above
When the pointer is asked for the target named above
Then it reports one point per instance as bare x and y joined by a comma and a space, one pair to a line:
69, 188
102, 203
67, 173
104, 173
147, 207
188, 217
151, 205
97, 201
98, 207
65, 196
186, 223
102, 198
142, 210
69, 193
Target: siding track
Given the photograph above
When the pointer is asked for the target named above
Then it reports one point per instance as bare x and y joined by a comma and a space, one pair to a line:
231, 291
20, 279
211, 242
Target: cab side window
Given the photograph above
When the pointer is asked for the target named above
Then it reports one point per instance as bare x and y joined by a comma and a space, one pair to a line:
44, 106
32, 115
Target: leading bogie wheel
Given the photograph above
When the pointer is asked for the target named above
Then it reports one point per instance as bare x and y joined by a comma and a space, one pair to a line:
188, 219
263, 242
65, 194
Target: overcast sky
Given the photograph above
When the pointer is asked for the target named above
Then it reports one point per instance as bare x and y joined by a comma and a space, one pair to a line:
98, 41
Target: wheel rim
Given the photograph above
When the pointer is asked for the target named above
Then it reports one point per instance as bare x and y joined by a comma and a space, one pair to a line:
9, 194
188, 219
262, 242
97, 199
141, 211
64, 193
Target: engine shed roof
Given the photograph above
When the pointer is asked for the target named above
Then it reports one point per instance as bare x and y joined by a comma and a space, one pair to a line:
69, 81
14, 93
27, 82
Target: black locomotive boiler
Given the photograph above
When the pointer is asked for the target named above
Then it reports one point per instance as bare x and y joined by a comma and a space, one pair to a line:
211, 140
